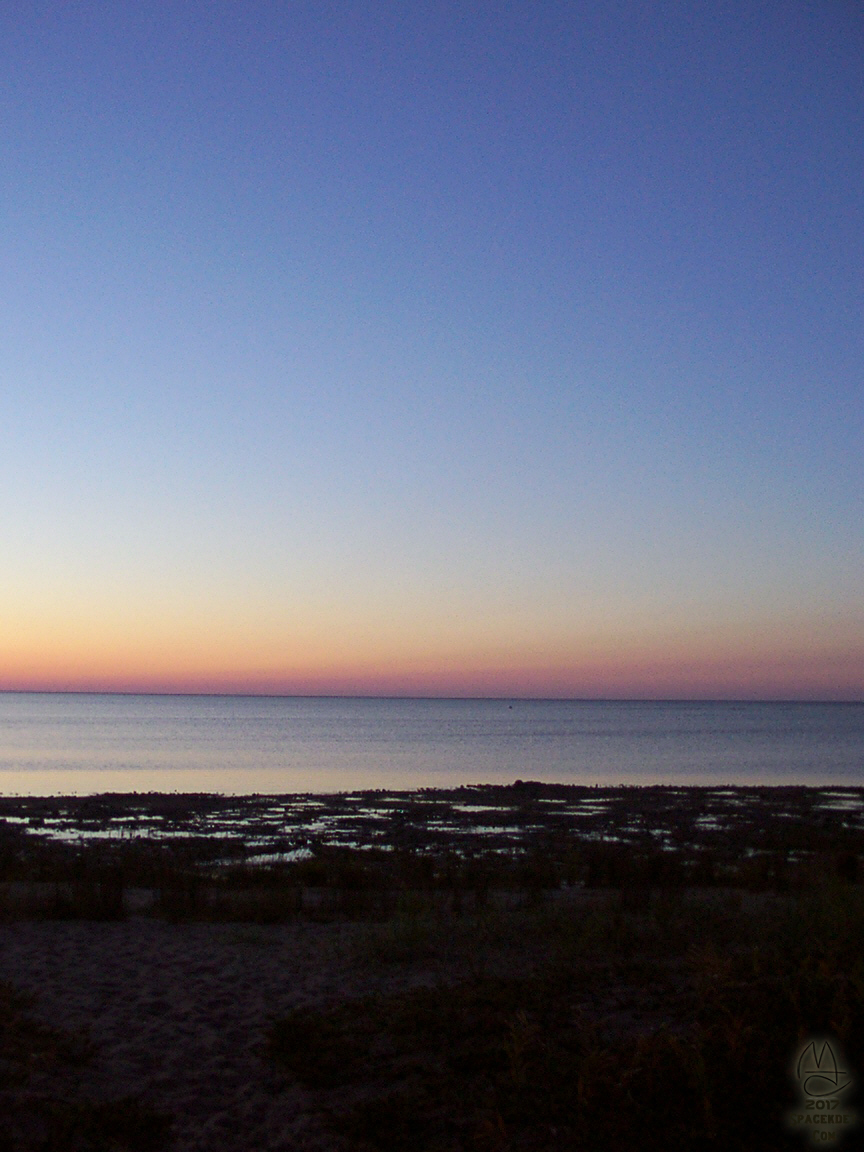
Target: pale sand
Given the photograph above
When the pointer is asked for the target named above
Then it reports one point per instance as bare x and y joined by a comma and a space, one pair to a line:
179, 1012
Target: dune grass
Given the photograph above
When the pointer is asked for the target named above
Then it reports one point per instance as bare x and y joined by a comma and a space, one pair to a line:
672, 1027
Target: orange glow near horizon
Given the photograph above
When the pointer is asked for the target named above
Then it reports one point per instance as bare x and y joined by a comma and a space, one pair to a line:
658, 667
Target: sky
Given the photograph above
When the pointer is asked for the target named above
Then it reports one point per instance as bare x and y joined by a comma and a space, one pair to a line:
448, 349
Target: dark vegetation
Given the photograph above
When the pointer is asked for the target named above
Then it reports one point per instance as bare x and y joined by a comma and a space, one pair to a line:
272, 857
613, 967
669, 1028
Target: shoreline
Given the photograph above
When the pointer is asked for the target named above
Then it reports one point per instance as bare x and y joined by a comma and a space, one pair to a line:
257, 1002
563, 834
580, 808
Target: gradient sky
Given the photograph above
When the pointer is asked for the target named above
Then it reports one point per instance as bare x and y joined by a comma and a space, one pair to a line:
433, 348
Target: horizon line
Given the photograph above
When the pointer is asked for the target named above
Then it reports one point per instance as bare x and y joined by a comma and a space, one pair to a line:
416, 696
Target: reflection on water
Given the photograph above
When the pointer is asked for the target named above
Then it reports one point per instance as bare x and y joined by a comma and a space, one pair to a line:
485, 818
68, 744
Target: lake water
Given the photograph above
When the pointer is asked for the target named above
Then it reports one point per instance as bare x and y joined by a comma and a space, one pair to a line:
78, 744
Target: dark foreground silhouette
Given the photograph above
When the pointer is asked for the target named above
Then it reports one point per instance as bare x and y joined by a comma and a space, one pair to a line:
635, 971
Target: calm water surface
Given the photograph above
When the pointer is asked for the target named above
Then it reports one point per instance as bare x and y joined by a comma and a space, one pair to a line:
65, 744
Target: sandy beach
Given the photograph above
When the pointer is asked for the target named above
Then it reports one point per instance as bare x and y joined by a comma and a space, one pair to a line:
178, 1013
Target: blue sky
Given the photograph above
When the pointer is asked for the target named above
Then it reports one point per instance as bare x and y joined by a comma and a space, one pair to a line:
432, 347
